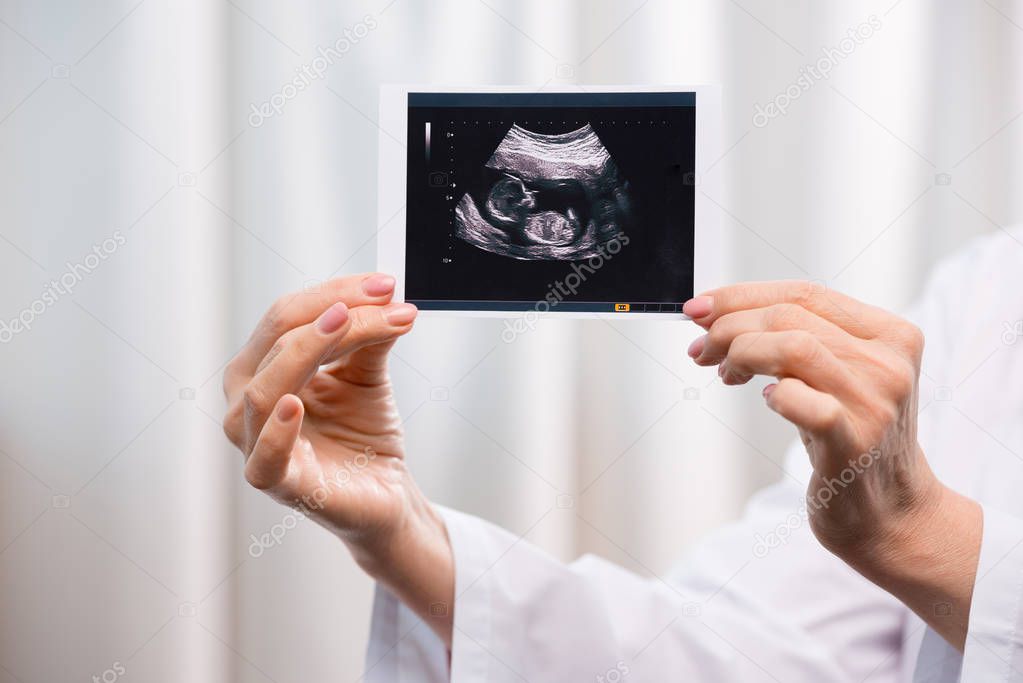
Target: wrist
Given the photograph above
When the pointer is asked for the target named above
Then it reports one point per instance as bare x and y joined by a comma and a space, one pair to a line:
928, 559
419, 528
911, 529
414, 561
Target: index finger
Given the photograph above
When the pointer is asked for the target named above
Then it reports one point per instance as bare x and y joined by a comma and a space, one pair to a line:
301, 308
855, 317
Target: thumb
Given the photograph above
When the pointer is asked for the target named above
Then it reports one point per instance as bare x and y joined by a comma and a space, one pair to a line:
368, 365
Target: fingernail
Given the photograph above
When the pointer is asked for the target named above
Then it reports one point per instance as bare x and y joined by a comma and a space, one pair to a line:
401, 314
333, 318
378, 285
768, 389
721, 371
696, 348
287, 411
698, 307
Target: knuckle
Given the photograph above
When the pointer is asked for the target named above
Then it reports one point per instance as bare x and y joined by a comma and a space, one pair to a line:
903, 377
305, 343
914, 339
728, 347
780, 316
718, 334
802, 293
363, 323
280, 343
232, 425
738, 349
275, 322
254, 400
255, 479
297, 344
293, 342
276, 349
801, 347
830, 414
895, 380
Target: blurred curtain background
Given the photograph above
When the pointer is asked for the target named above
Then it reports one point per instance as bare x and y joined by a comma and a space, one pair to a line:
129, 157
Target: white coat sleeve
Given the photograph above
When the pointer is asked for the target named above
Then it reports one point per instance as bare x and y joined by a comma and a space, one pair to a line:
758, 600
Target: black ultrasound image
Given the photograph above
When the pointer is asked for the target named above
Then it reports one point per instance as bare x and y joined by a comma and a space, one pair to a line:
582, 200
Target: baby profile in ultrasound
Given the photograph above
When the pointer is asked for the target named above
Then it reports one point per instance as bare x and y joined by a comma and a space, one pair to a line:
551, 197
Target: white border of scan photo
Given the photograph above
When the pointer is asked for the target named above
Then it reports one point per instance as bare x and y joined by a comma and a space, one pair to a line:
392, 187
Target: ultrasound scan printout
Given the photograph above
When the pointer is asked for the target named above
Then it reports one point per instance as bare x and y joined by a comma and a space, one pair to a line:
559, 196
576, 201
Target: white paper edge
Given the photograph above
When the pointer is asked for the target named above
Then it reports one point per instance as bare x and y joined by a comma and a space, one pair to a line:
392, 175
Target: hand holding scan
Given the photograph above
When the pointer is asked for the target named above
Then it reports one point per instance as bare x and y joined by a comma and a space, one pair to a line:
311, 408
847, 379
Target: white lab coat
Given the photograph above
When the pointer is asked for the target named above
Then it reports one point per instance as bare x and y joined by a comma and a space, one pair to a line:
761, 600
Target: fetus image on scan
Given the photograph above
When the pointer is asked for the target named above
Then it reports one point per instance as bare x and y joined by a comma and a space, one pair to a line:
554, 197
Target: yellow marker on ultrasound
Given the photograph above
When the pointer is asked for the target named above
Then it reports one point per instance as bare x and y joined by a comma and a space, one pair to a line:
621, 308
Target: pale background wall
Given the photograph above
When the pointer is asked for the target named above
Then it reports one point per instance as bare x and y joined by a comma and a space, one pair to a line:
124, 523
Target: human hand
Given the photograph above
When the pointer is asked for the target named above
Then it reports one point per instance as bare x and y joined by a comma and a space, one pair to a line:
848, 380
312, 410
